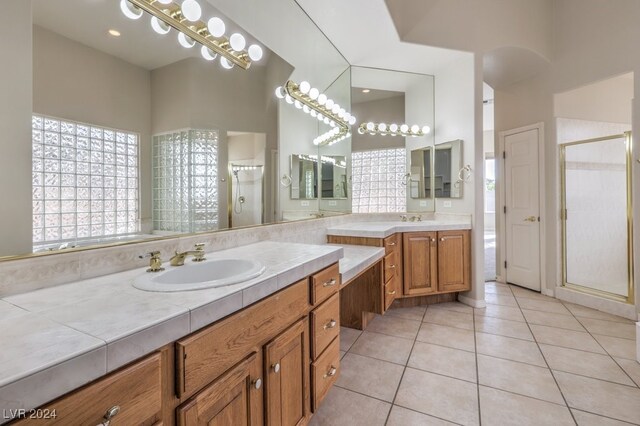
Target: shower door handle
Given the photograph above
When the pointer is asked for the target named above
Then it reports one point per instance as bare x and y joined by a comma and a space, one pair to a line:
530, 219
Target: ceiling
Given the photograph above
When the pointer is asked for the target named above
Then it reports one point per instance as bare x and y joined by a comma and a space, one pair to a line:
87, 21
358, 96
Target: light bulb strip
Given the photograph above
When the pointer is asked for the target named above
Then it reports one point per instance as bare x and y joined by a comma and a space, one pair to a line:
362, 129
171, 15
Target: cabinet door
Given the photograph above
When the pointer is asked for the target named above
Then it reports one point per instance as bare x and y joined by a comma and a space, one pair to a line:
420, 263
454, 256
287, 376
233, 399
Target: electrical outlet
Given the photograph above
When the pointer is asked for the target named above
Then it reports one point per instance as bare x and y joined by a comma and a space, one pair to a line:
446, 204
423, 203
304, 203
333, 203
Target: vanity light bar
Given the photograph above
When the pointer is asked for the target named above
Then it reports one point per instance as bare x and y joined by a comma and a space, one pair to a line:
382, 129
185, 19
240, 168
324, 159
311, 101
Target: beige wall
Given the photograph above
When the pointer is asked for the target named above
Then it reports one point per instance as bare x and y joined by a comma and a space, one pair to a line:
76, 82
390, 110
15, 127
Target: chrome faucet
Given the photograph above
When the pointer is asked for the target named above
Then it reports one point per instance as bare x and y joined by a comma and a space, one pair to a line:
198, 255
416, 218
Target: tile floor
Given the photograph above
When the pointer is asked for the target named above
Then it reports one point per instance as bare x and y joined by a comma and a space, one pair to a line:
526, 359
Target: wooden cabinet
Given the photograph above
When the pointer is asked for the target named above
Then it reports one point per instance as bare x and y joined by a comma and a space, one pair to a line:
287, 377
235, 398
420, 263
392, 269
454, 257
325, 371
325, 325
324, 284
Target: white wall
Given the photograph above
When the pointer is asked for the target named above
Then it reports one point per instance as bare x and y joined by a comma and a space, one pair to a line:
15, 127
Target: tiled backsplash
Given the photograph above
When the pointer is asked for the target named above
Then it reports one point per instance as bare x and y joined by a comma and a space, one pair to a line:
23, 275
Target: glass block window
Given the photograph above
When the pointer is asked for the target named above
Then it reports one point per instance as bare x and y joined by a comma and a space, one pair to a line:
378, 181
85, 181
185, 181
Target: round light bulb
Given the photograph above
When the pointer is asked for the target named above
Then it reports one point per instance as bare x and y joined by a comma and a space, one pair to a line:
216, 27
185, 41
352, 120
329, 104
313, 113
347, 116
322, 99
207, 53
165, 1
335, 108
288, 99
404, 128
159, 26
130, 10
370, 126
332, 123
393, 128
326, 120
279, 92
314, 93
191, 10
320, 117
237, 42
342, 112
298, 104
255, 52
305, 109
415, 128
426, 130
305, 87
382, 127
226, 64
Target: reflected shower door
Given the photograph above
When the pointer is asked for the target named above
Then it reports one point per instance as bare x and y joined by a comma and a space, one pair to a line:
246, 195
596, 216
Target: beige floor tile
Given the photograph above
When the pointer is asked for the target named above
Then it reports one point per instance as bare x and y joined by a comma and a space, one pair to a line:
414, 313
403, 417
542, 305
508, 348
394, 326
617, 347
383, 347
596, 396
632, 367
453, 306
516, 329
497, 288
584, 363
502, 312
552, 320
372, 377
500, 299
343, 407
565, 338
503, 408
348, 337
456, 338
530, 294
609, 328
450, 318
588, 419
584, 312
516, 377
450, 399
446, 361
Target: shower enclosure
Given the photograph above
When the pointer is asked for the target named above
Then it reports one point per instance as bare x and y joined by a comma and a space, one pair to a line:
246, 194
597, 216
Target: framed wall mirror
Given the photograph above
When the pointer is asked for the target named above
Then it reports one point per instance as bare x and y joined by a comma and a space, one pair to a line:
448, 170
304, 177
420, 180
333, 177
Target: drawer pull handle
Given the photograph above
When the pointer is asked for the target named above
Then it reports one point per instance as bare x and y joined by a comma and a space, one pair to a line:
109, 415
276, 367
433, 240
330, 283
392, 266
330, 324
391, 244
257, 383
391, 293
332, 372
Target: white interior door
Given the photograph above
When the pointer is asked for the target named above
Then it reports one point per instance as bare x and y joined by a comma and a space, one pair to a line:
522, 217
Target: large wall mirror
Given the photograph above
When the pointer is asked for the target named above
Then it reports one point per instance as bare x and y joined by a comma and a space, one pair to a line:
139, 133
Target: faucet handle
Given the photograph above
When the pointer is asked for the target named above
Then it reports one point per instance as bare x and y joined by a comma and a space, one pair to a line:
199, 246
155, 262
199, 255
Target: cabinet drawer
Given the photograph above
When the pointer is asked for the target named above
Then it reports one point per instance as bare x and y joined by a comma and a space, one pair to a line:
325, 325
390, 266
392, 243
390, 292
325, 372
206, 354
136, 390
324, 284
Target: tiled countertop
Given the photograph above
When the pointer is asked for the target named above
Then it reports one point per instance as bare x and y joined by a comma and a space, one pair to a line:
59, 338
384, 229
357, 259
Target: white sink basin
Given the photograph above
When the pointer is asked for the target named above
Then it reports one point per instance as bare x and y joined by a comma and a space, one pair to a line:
198, 276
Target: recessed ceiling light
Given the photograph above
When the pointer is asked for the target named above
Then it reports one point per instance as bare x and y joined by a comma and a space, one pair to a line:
366, 90
114, 33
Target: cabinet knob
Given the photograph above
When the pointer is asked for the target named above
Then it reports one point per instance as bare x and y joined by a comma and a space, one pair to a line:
109, 415
330, 283
332, 372
442, 239
392, 266
276, 367
257, 383
433, 240
330, 324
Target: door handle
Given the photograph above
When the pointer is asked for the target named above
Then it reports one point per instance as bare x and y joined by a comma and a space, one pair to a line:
530, 219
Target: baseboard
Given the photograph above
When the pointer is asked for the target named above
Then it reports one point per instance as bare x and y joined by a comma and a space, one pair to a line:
475, 303
638, 341
612, 307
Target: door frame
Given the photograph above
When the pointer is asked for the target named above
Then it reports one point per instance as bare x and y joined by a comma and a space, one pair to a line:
501, 228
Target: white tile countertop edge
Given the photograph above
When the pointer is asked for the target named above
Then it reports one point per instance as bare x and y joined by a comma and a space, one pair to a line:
385, 229
107, 323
